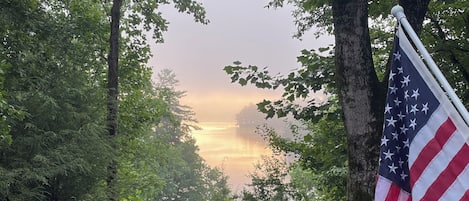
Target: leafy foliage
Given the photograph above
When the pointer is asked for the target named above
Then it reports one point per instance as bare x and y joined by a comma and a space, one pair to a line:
321, 153
308, 14
268, 181
445, 36
7, 112
53, 142
316, 75
48, 83
144, 16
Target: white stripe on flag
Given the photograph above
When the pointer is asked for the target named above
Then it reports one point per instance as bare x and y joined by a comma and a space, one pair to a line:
382, 188
403, 196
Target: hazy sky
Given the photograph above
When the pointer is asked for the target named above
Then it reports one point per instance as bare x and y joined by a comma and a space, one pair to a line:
239, 30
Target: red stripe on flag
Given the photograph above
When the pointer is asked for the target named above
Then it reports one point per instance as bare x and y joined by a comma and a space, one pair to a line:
431, 150
393, 192
465, 196
449, 174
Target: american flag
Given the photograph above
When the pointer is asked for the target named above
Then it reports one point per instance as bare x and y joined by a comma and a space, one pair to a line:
424, 150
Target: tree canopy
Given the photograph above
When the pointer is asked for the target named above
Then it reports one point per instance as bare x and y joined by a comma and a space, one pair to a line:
53, 141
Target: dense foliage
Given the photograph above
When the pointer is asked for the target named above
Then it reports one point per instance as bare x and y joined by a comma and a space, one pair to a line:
318, 172
53, 141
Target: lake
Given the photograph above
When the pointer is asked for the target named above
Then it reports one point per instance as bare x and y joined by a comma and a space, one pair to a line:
235, 150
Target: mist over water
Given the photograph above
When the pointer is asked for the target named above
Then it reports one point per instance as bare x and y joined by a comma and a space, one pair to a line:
236, 146
235, 150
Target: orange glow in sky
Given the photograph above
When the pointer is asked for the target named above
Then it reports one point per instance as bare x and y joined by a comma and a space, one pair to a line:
223, 106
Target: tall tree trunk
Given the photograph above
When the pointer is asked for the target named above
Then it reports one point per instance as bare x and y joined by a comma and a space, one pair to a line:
361, 95
112, 98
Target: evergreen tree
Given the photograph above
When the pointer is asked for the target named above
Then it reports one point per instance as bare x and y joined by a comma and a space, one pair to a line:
57, 150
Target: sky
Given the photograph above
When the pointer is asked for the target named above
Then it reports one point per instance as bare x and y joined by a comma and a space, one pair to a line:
239, 30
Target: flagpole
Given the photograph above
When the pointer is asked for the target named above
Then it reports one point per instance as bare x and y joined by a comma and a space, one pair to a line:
398, 12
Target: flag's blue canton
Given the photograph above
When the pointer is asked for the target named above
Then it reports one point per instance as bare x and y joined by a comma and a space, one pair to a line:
409, 105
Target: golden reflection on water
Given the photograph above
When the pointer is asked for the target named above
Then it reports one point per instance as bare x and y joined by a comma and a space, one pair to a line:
235, 150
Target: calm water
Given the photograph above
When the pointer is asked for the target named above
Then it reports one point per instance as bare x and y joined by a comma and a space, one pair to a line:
236, 150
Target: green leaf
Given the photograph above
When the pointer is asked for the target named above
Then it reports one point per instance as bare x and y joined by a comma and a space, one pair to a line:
228, 70
242, 81
308, 138
281, 113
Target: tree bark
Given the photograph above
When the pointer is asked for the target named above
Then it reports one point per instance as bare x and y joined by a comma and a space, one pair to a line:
112, 98
361, 96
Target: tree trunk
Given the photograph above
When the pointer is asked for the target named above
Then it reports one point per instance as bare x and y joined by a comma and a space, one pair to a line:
112, 98
361, 96
415, 11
